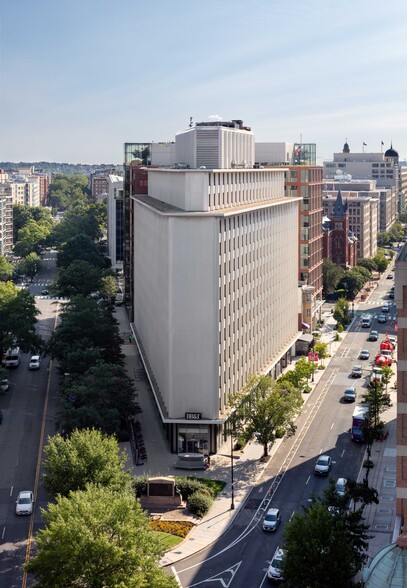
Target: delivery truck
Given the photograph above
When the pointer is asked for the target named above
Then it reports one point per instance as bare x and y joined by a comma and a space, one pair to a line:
358, 419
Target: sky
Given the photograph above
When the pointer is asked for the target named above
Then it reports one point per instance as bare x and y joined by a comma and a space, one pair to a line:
79, 78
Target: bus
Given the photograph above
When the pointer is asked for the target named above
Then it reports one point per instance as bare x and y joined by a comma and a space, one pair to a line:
12, 357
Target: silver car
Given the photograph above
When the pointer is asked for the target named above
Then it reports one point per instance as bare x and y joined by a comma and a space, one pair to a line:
25, 503
272, 520
323, 465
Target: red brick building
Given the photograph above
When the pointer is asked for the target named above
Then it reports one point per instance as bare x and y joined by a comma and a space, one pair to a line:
339, 243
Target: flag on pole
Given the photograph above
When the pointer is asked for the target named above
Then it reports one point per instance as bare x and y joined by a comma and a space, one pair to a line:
365, 144
382, 143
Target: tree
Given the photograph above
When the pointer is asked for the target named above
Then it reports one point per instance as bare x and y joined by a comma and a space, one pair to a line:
6, 269
85, 327
300, 374
87, 219
31, 237
31, 265
264, 407
18, 317
103, 398
97, 538
341, 311
86, 456
322, 349
367, 263
23, 214
381, 262
378, 401
79, 247
331, 276
354, 280
333, 547
67, 190
387, 373
109, 287
80, 277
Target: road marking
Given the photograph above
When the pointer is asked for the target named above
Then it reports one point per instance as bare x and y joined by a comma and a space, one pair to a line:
292, 514
343, 452
332, 426
218, 579
11, 491
4, 531
174, 573
308, 479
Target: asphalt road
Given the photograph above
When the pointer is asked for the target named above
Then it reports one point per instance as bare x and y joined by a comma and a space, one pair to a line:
239, 559
29, 409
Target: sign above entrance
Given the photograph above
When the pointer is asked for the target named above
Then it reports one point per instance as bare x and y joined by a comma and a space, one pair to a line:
193, 416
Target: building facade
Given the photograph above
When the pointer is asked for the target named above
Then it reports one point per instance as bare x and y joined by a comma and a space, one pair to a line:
339, 242
115, 221
363, 219
215, 281
6, 219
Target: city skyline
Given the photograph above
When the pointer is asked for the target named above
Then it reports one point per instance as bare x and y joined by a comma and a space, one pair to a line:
79, 80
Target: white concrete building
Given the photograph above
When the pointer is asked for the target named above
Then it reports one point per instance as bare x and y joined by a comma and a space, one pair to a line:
115, 221
6, 219
215, 283
269, 153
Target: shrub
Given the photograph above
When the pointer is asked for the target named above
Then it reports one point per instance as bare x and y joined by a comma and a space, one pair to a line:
368, 463
280, 433
240, 443
199, 503
140, 485
340, 328
188, 486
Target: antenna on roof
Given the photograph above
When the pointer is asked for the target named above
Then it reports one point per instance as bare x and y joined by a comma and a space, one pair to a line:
191, 124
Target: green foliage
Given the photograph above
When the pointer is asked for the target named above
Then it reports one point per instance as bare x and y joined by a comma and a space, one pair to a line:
31, 265
322, 349
97, 537
381, 262
332, 545
300, 374
331, 276
90, 400
387, 374
23, 214
79, 247
6, 269
354, 280
188, 486
340, 328
109, 287
140, 484
341, 312
86, 219
87, 328
199, 503
368, 264
80, 277
378, 402
263, 407
65, 191
86, 456
32, 237
18, 318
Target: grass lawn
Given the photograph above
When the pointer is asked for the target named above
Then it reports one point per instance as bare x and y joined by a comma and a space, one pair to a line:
167, 541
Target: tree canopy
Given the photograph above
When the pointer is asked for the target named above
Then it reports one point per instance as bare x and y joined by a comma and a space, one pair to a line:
331, 276
97, 538
264, 408
6, 269
79, 247
66, 190
80, 277
31, 265
23, 214
87, 219
85, 325
87, 456
332, 542
32, 237
102, 397
18, 317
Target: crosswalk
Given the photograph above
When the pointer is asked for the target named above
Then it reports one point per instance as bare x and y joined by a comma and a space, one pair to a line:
59, 298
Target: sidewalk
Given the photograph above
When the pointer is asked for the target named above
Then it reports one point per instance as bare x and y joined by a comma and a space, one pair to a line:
247, 467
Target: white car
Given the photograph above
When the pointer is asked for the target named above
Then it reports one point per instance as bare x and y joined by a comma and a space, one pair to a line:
274, 571
272, 520
25, 503
340, 486
323, 465
35, 362
4, 385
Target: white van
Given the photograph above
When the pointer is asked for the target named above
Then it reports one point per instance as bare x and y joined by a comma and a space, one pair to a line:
12, 357
366, 321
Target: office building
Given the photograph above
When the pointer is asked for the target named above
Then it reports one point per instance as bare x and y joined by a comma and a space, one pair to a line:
215, 276
115, 221
6, 219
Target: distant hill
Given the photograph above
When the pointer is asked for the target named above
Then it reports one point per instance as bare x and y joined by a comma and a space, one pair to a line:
55, 167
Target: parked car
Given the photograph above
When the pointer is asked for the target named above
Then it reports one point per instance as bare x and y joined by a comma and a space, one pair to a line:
323, 465
393, 340
35, 362
272, 520
25, 503
373, 336
390, 276
385, 308
274, 571
356, 371
382, 318
340, 486
4, 385
364, 354
45, 292
350, 394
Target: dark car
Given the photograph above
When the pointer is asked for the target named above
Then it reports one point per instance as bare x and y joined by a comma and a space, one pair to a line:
373, 336
350, 394
45, 292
